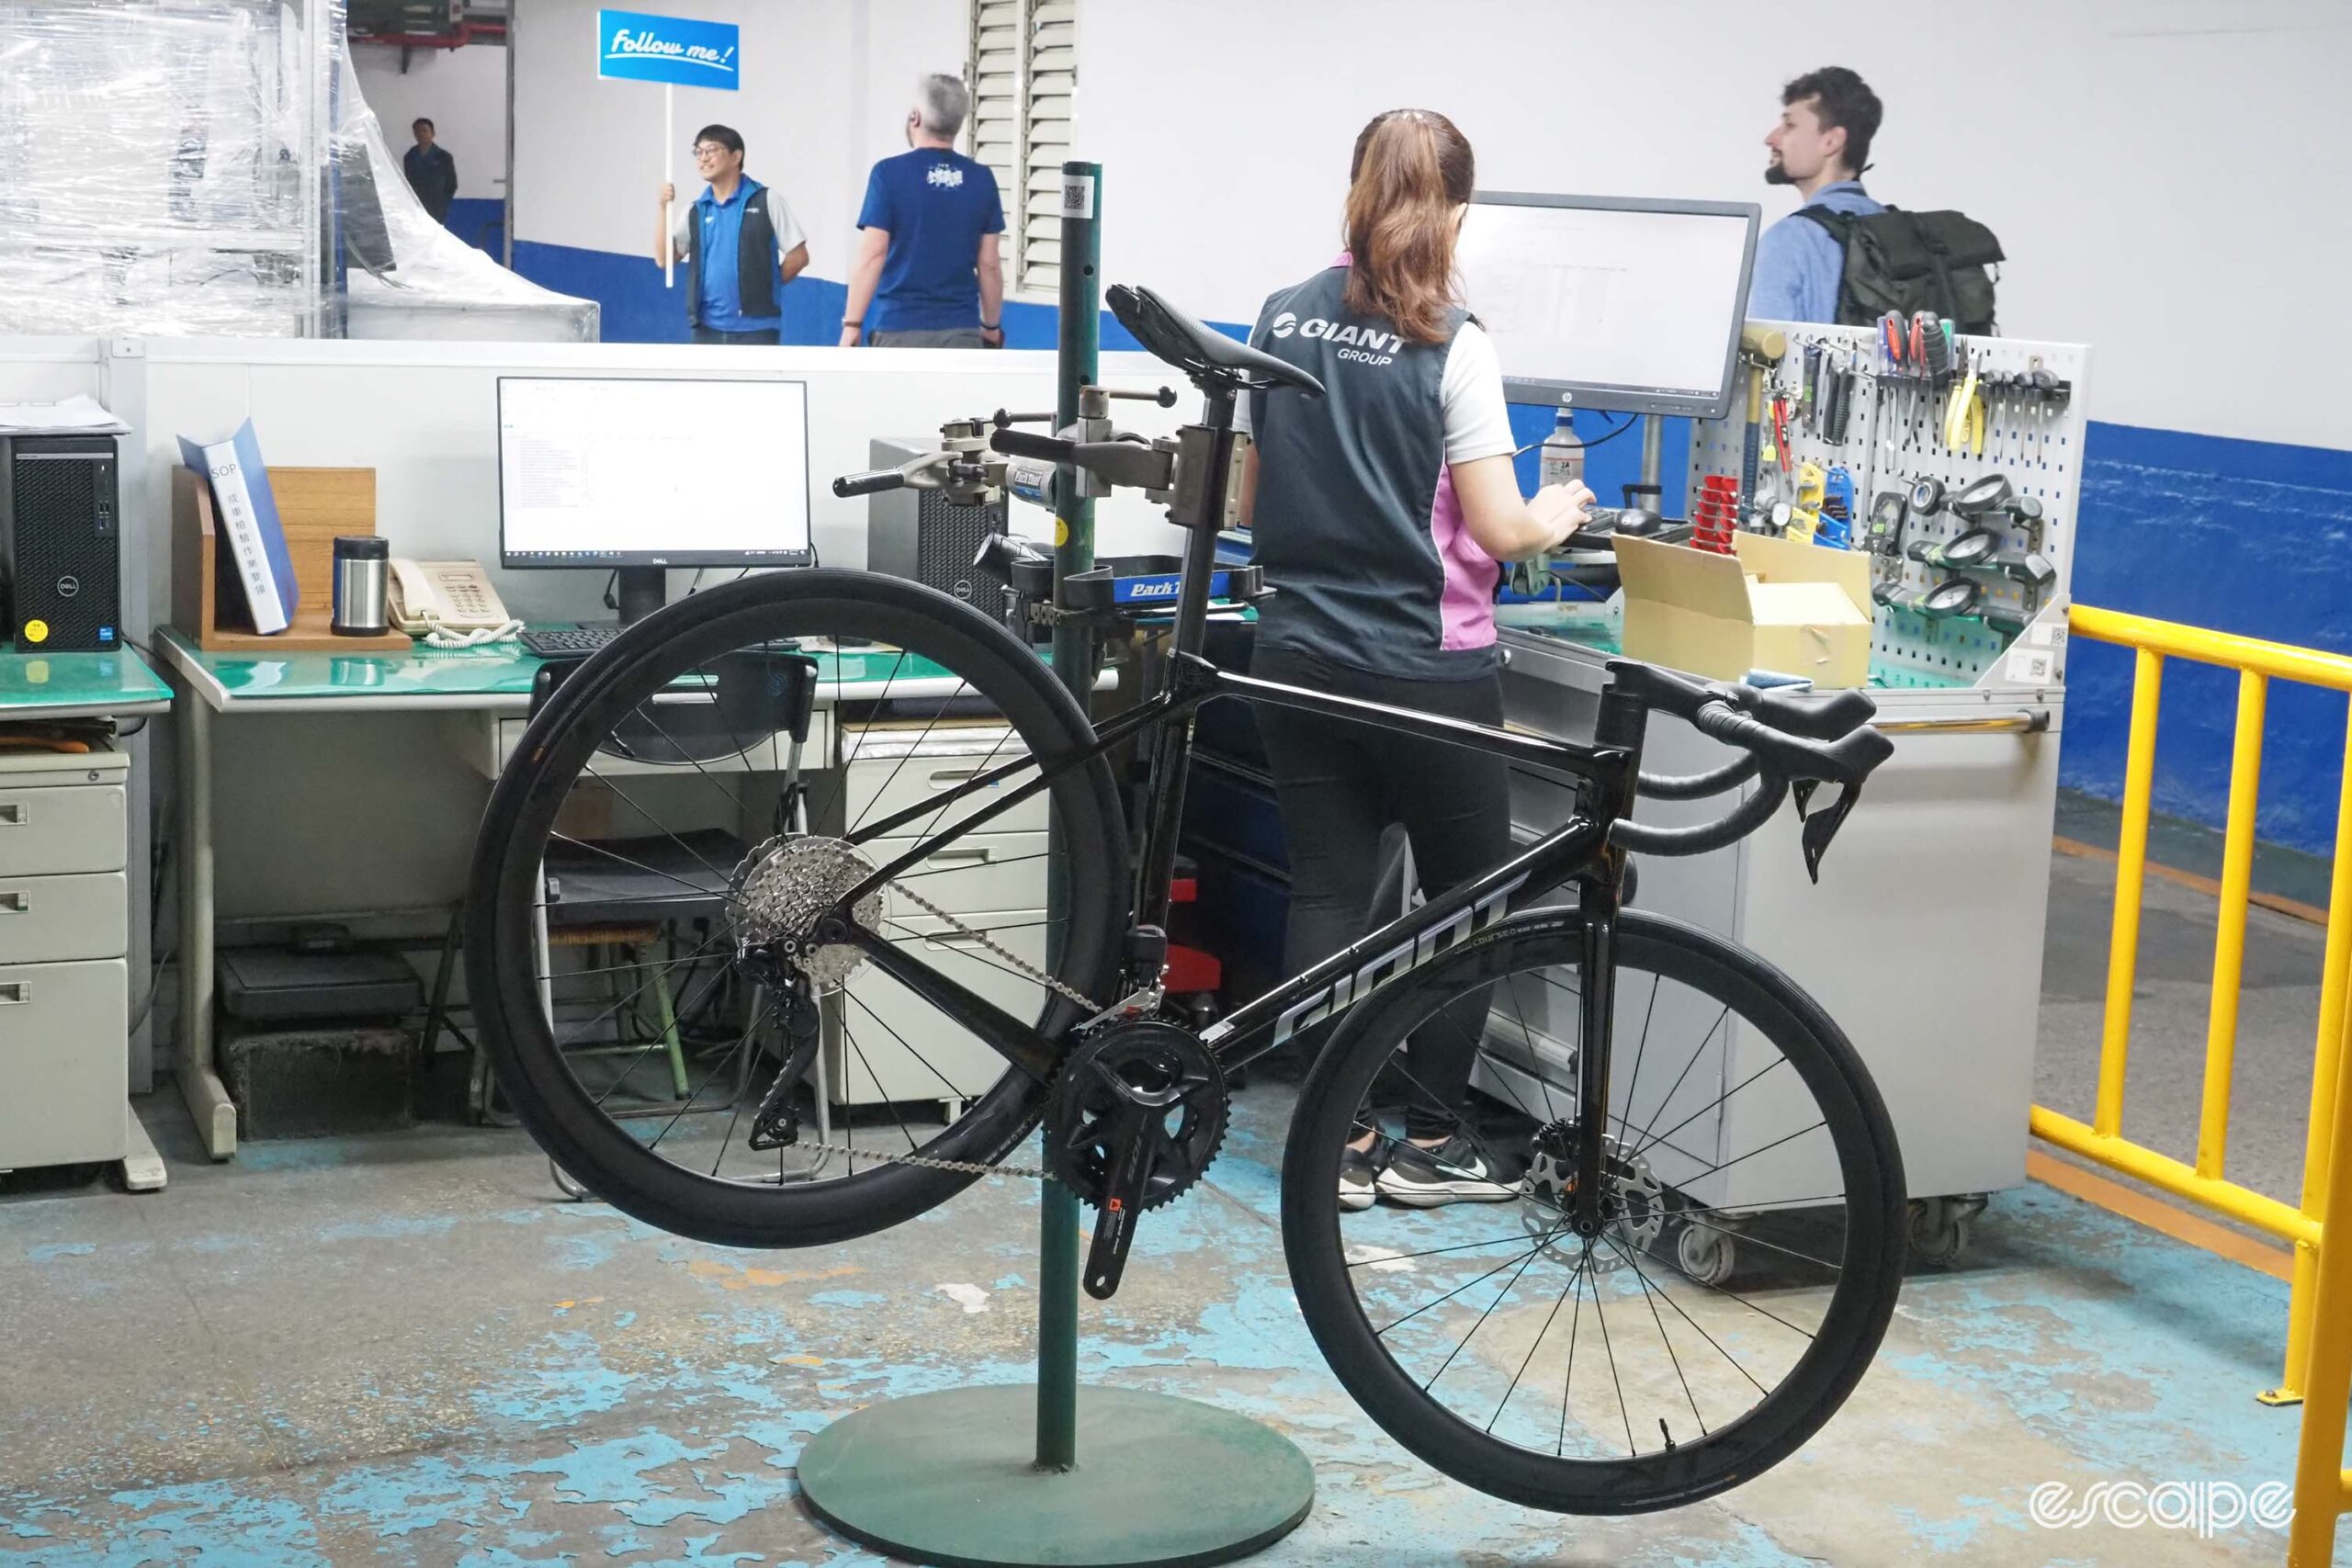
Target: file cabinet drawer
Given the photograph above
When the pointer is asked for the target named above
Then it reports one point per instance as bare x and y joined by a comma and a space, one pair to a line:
884, 1042
65, 1058
880, 786
984, 871
61, 829
47, 919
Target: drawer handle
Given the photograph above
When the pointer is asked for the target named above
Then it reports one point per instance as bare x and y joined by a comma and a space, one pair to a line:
954, 939
16, 901
955, 853
16, 812
13, 992
954, 775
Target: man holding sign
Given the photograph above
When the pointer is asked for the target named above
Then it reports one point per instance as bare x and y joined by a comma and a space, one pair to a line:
741, 244
927, 273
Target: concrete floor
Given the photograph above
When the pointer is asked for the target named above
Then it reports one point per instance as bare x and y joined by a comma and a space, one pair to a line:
408, 1350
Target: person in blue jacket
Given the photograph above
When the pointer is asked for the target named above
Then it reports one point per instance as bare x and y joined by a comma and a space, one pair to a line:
741, 244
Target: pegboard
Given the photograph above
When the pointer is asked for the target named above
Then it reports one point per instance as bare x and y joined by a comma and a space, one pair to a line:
1894, 438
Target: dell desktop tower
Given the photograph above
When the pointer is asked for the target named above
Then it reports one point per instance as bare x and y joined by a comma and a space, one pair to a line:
60, 532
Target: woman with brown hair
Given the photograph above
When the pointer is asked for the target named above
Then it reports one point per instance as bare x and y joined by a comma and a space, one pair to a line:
1380, 512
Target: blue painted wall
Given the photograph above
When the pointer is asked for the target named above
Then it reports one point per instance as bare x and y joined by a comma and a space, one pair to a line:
2239, 536
2243, 537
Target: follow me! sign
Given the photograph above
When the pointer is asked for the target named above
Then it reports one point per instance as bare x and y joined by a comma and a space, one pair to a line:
640, 48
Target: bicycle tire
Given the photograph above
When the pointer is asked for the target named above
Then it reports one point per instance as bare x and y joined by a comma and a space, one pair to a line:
550, 1098
1864, 1299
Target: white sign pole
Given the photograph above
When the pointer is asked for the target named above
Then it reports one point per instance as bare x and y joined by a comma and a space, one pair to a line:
669, 129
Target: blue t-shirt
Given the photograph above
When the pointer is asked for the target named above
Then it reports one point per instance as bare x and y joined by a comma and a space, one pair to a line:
935, 204
1799, 264
722, 244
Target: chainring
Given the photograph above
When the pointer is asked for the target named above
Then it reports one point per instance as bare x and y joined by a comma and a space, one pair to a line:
1143, 1062
781, 890
1633, 1207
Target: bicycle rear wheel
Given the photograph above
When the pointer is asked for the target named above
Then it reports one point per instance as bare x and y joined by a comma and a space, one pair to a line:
653, 790
1754, 1205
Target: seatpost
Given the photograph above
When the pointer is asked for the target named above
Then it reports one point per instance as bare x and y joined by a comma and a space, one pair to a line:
1200, 543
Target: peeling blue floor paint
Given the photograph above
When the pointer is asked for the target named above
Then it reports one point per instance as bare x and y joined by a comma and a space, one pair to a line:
628, 1396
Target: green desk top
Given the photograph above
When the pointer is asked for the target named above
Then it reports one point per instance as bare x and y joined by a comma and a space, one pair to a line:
36, 685
467, 676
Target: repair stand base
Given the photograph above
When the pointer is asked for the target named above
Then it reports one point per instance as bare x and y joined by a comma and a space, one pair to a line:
951, 1478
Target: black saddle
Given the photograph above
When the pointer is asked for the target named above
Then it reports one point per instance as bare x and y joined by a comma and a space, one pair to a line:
1209, 357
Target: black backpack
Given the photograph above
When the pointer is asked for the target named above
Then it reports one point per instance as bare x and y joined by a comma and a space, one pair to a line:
1908, 262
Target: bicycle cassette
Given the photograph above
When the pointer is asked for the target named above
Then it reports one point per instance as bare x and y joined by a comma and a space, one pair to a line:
1144, 1080
781, 887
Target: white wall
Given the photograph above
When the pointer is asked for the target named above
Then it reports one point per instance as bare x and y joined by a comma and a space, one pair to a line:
825, 86
2164, 174
462, 91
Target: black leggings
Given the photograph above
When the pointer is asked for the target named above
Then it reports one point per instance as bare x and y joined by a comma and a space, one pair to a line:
1340, 784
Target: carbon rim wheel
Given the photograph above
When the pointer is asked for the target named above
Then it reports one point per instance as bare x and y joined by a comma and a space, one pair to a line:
647, 790
1597, 1375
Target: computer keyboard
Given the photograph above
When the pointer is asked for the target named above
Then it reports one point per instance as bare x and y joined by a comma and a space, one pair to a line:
562, 642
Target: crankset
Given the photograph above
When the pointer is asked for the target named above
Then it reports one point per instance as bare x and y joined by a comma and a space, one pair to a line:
1134, 1116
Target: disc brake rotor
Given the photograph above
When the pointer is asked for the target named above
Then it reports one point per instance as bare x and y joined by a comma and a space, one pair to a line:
780, 890
1633, 1201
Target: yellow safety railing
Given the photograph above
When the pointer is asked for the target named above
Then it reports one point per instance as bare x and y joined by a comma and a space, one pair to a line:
2319, 1329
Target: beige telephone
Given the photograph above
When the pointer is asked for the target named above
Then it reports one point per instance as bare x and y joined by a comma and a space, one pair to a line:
450, 603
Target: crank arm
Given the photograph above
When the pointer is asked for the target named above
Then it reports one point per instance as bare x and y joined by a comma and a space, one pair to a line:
1115, 1222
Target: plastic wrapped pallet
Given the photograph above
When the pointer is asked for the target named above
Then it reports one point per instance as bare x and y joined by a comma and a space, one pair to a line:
209, 168
407, 277
152, 170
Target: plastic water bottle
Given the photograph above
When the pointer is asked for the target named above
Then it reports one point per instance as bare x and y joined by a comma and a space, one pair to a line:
1561, 459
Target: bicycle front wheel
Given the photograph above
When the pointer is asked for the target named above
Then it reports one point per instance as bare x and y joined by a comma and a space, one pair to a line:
651, 865
1753, 1206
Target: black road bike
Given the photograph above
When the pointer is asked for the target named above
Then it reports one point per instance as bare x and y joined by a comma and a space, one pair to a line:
1679, 1231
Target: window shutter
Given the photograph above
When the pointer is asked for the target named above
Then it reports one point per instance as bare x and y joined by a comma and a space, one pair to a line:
1024, 90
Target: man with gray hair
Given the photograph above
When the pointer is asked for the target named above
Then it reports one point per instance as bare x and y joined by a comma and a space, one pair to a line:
927, 274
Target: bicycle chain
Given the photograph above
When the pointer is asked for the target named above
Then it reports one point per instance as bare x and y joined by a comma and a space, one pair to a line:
964, 1167
1026, 968
959, 1167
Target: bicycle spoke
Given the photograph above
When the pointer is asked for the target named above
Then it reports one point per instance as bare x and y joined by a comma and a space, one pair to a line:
1538, 1345
725, 794
953, 1092
1576, 1318
1382, 1333
750, 1032
968, 867
696, 887
1517, 1237
929, 724
1696, 1051
1718, 1290
1751, 1238
1717, 1102
875, 1079
1666, 1339
1633, 1263
1753, 1151
1601, 1313
1648, 1014
631, 801
1508, 1286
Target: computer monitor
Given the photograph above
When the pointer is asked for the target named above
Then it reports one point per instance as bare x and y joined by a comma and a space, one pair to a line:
641, 474
1612, 302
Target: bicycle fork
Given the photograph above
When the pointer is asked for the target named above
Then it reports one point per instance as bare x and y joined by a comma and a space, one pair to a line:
1620, 725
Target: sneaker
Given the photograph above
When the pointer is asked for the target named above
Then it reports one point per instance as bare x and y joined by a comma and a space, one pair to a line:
1357, 1179
1453, 1172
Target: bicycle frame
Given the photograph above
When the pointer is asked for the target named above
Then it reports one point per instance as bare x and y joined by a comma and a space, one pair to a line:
1578, 851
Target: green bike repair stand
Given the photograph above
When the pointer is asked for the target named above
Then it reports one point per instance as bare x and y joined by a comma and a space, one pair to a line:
1117, 1476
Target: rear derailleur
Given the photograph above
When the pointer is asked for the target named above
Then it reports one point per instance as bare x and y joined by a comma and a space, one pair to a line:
1134, 1117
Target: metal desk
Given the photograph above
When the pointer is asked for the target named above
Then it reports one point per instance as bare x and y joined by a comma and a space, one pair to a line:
38, 686
1924, 937
493, 684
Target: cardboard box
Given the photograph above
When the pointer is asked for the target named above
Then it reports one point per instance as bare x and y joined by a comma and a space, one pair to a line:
1796, 608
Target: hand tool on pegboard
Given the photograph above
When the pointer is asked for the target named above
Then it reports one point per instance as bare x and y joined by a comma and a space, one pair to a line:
1760, 348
